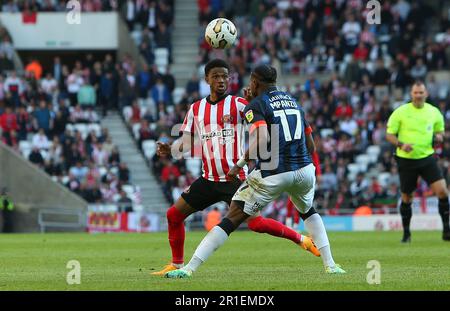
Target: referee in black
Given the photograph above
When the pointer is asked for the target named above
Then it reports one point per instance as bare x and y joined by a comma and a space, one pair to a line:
412, 128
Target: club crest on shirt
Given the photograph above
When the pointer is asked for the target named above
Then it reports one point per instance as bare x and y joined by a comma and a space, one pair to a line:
249, 115
227, 119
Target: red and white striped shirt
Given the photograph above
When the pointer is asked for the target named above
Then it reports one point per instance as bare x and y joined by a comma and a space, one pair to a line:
220, 129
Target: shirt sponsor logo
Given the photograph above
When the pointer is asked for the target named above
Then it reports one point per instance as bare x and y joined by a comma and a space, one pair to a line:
225, 135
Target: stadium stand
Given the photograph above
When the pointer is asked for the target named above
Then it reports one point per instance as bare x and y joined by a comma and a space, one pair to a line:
347, 74
53, 122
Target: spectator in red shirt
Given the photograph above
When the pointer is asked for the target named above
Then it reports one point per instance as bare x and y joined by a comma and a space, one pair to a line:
343, 110
361, 52
145, 133
168, 170
8, 123
135, 113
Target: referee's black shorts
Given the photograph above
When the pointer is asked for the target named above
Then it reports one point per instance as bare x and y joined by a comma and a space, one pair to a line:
203, 193
409, 170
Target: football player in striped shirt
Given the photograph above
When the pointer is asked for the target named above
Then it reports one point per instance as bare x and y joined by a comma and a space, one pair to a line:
217, 121
283, 166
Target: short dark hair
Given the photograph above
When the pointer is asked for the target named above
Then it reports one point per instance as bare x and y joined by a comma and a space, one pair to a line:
216, 63
419, 83
266, 73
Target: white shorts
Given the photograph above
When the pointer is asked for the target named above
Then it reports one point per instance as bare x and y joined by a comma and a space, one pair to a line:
257, 192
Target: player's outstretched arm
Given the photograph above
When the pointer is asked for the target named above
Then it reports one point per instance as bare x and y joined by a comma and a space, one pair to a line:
182, 144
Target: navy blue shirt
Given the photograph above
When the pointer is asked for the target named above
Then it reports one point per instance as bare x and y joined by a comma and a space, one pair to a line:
281, 110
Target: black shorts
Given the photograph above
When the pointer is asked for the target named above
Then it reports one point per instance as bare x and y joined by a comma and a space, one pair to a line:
409, 170
203, 193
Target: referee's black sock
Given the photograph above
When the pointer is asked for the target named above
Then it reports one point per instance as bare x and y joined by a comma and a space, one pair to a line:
444, 211
406, 213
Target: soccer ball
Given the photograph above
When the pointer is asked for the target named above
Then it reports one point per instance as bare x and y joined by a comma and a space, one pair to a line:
220, 33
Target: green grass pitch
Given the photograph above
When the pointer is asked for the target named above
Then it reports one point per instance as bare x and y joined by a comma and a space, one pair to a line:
248, 261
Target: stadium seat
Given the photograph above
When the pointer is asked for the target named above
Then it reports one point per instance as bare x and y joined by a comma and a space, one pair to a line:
326, 132
102, 171
143, 111
116, 197
363, 160
161, 57
45, 155
127, 113
24, 145
149, 148
136, 128
129, 189
383, 178
65, 179
372, 157
96, 128
374, 149
26, 153
177, 94
194, 166
138, 208
170, 109
353, 168
443, 92
115, 170
83, 129
69, 127
137, 36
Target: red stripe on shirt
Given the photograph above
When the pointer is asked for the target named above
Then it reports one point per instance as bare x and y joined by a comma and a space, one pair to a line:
223, 148
235, 113
195, 128
209, 146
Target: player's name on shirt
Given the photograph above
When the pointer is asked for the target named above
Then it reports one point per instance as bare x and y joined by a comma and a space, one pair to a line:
282, 101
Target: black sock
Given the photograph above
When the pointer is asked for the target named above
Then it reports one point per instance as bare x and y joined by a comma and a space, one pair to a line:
444, 211
406, 213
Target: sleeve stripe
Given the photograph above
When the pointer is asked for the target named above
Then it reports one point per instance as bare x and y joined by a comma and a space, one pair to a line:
308, 130
257, 124
188, 121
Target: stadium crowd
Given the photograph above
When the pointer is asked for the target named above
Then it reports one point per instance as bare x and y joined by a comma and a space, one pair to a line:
14, 6
356, 74
51, 118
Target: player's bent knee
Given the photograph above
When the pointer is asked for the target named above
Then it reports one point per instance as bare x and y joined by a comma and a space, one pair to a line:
227, 226
174, 215
311, 212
